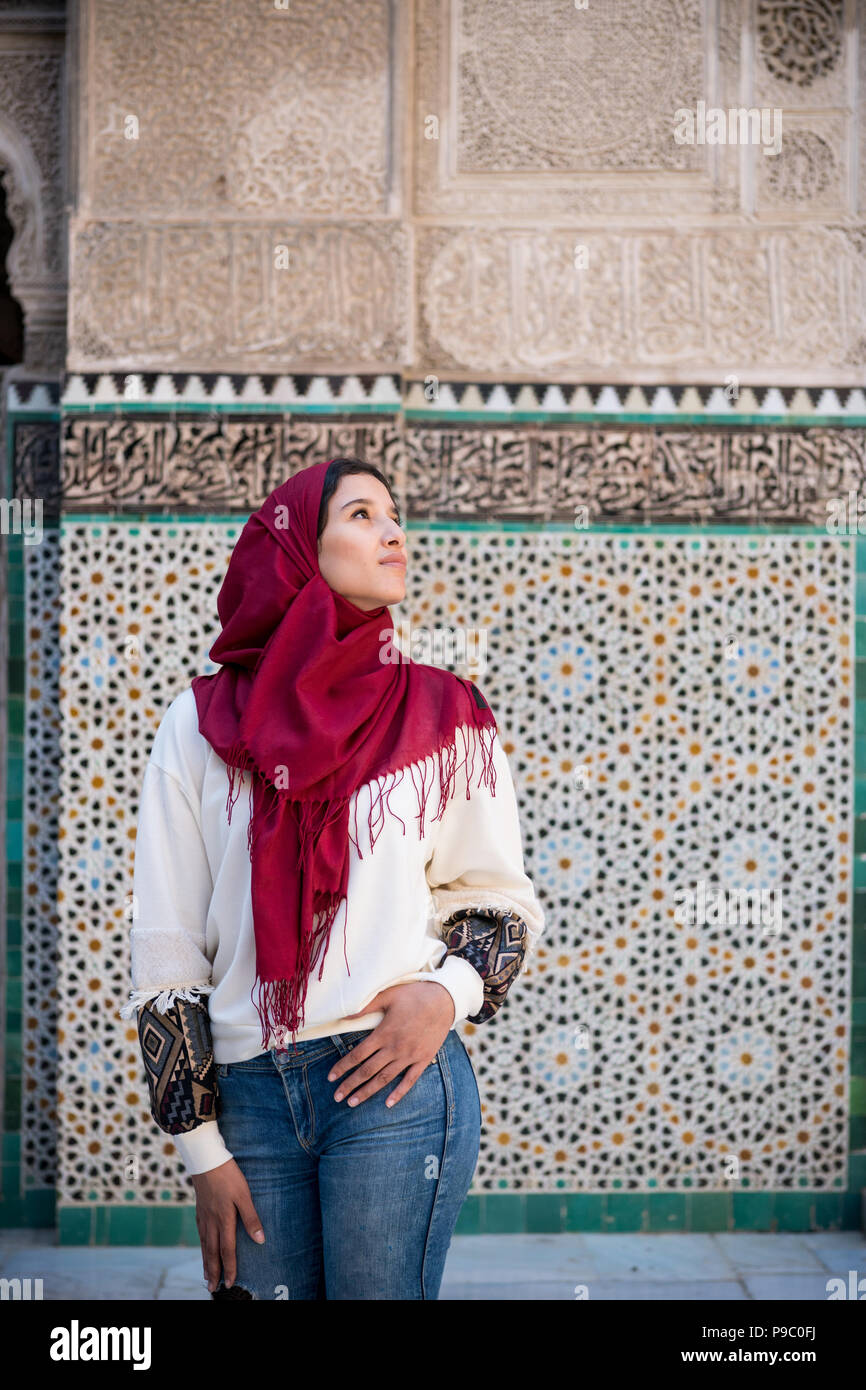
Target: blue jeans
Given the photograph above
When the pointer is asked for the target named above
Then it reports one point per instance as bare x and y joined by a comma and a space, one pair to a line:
356, 1202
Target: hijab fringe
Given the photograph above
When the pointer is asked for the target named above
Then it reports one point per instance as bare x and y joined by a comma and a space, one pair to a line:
280, 1003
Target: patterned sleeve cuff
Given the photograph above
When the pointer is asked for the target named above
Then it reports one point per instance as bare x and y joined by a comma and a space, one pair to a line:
494, 942
179, 1064
202, 1149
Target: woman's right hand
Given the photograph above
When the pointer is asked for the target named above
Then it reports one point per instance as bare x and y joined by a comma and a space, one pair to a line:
221, 1195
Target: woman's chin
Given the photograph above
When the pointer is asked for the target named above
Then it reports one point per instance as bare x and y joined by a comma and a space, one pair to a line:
386, 594
393, 590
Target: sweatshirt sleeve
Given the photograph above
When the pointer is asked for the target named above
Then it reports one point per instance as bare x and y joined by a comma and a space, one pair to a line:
477, 864
171, 975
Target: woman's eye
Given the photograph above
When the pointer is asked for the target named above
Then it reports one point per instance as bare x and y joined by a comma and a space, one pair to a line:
363, 510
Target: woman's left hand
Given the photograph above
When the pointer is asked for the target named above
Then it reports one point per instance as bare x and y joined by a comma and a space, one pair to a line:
418, 1017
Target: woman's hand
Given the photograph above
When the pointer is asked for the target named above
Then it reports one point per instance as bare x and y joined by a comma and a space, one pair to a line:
221, 1195
418, 1016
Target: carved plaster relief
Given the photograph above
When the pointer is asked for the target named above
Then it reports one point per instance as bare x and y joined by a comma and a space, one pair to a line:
507, 300
589, 240
557, 227
215, 295
31, 85
576, 105
468, 473
560, 88
222, 109
800, 51
239, 187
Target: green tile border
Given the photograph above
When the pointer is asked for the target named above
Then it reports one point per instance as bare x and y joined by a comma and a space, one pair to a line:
697, 530
516, 1213
34, 1211
857, 1057
689, 420
689, 1210
470, 416
34, 1208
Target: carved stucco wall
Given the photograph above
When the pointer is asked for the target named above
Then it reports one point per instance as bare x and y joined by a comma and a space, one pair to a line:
254, 128
32, 151
431, 170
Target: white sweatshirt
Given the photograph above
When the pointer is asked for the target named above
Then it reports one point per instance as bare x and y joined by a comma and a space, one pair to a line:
192, 925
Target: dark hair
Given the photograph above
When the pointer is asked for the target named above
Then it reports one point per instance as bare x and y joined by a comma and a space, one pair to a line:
337, 469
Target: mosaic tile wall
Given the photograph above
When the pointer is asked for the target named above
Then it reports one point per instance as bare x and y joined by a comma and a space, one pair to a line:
605, 651
634, 1059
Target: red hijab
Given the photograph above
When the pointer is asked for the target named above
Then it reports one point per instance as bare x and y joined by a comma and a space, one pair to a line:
304, 702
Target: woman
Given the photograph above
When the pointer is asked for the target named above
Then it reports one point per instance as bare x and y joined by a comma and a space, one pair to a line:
334, 1111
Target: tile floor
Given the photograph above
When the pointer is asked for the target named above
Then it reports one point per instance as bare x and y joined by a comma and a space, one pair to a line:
741, 1267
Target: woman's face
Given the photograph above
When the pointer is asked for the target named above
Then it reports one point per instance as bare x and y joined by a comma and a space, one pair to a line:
362, 550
